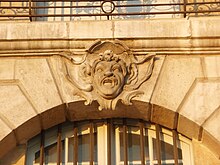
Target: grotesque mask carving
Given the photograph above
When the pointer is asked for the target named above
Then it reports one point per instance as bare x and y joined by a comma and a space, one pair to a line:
108, 73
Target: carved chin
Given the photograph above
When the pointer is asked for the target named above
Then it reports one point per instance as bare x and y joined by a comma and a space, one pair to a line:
109, 93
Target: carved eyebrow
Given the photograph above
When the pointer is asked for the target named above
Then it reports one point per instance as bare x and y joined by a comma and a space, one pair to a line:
116, 66
99, 65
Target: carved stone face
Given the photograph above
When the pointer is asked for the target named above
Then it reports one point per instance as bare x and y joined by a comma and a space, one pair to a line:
109, 78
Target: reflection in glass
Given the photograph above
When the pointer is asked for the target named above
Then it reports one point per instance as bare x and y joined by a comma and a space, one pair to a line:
146, 149
133, 144
101, 143
166, 151
51, 154
70, 149
155, 148
83, 148
37, 157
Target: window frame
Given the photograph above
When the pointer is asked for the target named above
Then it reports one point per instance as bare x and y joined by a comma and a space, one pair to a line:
101, 129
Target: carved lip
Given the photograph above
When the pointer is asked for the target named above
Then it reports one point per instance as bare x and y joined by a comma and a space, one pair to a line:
110, 82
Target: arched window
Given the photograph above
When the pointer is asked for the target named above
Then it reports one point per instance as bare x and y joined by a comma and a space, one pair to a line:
111, 141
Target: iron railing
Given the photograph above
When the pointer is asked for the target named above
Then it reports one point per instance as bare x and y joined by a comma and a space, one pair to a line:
125, 142
49, 10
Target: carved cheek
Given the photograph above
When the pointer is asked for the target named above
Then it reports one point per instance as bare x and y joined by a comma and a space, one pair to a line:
122, 79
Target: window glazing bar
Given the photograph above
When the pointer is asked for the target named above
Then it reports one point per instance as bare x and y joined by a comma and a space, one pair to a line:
109, 131
91, 142
141, 127
158, 144
42, 148
59, 145
125, 143
175, 148
75, 148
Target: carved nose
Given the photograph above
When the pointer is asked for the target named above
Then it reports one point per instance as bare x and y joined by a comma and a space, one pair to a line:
108, 73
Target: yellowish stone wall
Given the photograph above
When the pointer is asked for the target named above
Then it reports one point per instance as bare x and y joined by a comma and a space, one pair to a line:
182, 93
15, 157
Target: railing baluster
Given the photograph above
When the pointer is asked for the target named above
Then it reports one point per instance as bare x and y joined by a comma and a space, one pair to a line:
184, 8
30, 10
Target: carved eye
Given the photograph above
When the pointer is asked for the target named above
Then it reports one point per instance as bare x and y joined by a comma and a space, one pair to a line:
116, 68
99, 70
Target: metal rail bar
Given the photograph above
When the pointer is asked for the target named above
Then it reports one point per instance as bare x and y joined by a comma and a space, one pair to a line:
75, 145
109, 148
125, 125
141, 127
30, 10
185, 8
91, 143
175, 148
125, 142
59, 145
42, 148
57, 0
95, 6
113, 14
128, 5
158, 144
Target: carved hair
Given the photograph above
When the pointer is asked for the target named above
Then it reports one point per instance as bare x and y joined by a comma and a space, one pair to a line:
108, 56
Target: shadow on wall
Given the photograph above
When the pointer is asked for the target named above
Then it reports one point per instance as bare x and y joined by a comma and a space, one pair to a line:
16, 156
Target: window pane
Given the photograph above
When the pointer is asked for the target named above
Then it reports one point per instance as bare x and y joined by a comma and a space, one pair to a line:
83, 148
51, 154
70, 149
63, 152
37, 158
154, 148
95, 147
166, 151
100, 151
134, 144
121, 145
146, 149
180, 153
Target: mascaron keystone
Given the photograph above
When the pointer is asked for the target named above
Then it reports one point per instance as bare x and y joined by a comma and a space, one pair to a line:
107, 73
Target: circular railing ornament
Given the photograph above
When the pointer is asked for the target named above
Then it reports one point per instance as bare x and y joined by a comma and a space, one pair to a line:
108, 6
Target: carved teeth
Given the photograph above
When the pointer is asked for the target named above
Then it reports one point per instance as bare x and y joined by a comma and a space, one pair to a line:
107, 82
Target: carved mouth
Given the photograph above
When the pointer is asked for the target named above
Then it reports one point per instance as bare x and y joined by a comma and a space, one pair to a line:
109, 82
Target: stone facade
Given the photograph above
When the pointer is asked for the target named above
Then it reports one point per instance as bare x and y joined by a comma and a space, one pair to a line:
182, 92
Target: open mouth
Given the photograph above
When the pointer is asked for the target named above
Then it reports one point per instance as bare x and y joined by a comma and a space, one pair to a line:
109, 82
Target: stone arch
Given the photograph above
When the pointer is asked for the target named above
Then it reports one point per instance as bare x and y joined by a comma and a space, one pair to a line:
76, 111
